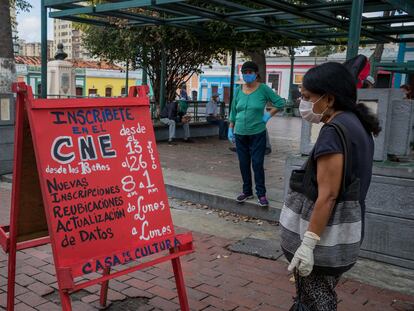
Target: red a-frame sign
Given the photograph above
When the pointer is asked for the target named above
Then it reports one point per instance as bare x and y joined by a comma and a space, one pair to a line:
97, 194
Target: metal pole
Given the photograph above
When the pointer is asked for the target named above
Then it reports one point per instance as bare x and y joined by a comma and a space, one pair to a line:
43, 33
354, 28
292, 64
289, 105
233, 70
400, 59
144, 76
126, 77
163, 76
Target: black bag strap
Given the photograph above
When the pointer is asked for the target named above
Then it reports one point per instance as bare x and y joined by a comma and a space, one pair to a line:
347, 176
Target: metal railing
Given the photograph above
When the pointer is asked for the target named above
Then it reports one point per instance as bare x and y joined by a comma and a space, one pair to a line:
196, 109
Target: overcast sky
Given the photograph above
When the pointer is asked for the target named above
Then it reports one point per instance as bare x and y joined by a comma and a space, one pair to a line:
29, 24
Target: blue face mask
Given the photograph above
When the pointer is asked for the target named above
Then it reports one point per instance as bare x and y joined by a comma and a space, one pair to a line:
249, 77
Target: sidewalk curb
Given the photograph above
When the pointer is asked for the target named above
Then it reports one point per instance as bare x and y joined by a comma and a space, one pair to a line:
225, 203
248, 208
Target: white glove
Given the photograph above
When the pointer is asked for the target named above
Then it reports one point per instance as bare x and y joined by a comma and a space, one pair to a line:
303, 258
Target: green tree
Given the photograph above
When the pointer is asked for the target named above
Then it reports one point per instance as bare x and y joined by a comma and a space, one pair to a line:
186, 49
142, 47
325, 50
7, 69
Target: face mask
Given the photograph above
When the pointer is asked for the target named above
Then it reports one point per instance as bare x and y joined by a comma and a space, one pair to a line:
249, 77
306, 111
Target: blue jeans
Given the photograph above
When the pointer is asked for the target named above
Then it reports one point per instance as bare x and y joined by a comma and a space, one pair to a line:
222, 124
251, 152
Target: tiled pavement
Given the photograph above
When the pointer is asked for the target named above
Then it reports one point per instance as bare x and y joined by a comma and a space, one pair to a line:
216, 279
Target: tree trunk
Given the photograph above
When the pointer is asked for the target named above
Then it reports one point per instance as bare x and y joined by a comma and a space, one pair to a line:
258, 56
7, 77
7, 67
379, 49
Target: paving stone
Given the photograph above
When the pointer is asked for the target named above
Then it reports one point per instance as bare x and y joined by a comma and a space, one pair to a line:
24, 280
35, 262
139, 284
31, 299
48, 269
164, 304
118, 286
221, 304
195, 305
123, 278
214, 291
3, 300
93, 289
195, 294
17, 289
166, 283
135, 292
163, 292
211, 308
89, 298
241, 282
80, 306
45, 278
28, 270
403, 306
269, 249
143, 276
115, 296
49, 306
24, 307
40, 288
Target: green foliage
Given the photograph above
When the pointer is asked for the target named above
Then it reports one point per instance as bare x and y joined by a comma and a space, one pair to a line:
325, 50
186, 49
142, 46
21, 5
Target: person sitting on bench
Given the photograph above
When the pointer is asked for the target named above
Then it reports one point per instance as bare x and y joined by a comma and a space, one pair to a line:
170, 115
213, 117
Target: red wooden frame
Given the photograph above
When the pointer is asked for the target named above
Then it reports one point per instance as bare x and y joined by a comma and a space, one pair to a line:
8, 234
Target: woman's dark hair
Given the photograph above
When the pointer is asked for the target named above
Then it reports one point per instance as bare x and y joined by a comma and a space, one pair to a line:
334, 79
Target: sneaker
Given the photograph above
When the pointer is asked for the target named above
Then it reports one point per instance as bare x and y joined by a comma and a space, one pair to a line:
189, 140
232, 149
268, 151
263, 202
243, 197
171, 143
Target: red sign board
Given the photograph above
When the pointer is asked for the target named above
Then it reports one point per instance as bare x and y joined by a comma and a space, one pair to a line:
103, 193
101, 181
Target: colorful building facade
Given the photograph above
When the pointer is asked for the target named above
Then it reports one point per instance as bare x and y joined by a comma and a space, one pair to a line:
92, 78
216, 79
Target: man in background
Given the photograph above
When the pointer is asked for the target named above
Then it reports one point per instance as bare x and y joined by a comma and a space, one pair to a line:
213, 117
172, 113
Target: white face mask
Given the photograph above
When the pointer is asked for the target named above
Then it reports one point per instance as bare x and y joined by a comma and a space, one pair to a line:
306, 111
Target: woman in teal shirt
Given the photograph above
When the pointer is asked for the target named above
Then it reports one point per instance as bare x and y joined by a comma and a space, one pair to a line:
248, 128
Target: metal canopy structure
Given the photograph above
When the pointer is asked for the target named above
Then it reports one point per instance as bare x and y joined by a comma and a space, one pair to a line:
312, 22
317, 22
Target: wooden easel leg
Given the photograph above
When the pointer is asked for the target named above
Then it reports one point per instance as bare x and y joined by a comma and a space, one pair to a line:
179, 281
65, 300
104, 289
15, 197
11, 277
